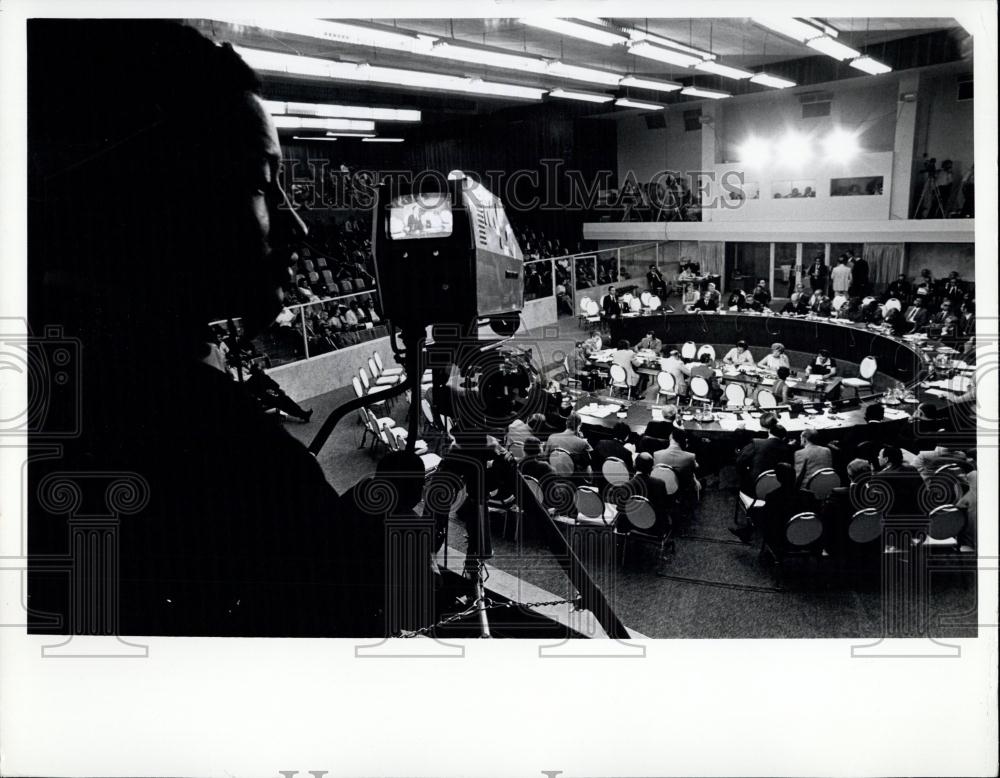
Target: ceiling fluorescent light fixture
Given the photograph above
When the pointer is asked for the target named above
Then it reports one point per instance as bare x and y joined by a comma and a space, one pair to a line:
313, 137
382, 140
832, 48
338, 32
638, 36
789, 27
587, 97
343, 134
869, 65
478, 86
314, 123
722, 70
497, 59
277, 108
276, 62
660, 54
574, 29
712, 94
624, 102
645, 83
577, 73
765, 79
826, 28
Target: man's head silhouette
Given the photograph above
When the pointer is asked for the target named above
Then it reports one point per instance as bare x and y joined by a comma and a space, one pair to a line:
155, 175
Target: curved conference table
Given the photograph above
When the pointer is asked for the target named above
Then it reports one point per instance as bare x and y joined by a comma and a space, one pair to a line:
901, 359
905, 361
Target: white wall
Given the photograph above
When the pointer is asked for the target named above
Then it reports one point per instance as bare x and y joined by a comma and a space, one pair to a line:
865, 106
818, 174
944, 125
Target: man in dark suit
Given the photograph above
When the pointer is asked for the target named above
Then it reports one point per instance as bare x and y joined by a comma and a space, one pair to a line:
761, 297
901, 289
952, 289
841, 504
762, 454
873, 431
614, 447
822, 306
656, 283
903, 481
916, 316
610, 305
944, 323
654, 490
784, 502
859, 277
818, 274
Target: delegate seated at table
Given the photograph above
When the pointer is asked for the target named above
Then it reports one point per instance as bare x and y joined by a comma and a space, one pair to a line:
705, 303
780, 389
683, 463
738, 301
703, 368
777, 358
625, 356
739, 355
649, 343
822, 364
674, 365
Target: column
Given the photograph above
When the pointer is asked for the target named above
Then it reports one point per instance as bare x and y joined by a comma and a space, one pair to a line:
903, 146
709, 116
770, 276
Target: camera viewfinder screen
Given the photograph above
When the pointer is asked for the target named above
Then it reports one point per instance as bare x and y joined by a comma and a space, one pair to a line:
420, 216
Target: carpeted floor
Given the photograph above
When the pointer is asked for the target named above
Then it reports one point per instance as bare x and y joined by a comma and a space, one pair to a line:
713, 586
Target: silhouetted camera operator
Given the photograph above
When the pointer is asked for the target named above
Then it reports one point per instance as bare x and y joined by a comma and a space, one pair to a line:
155, 208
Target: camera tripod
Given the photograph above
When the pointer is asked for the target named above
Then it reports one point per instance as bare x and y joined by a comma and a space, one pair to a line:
931, 196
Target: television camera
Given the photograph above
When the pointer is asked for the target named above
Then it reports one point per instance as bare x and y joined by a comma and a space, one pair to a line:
450, 281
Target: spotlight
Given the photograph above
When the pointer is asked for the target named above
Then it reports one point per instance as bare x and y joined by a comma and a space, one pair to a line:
754, 151
795, 149
840, 145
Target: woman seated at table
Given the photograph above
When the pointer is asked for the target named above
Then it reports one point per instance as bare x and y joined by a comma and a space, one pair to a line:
706, 303
823, 364
777, 358
738, 301
739, 355
780, 389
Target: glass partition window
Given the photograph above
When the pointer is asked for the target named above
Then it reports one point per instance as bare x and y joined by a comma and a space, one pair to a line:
586, 271
538, 279
300, 332
785, 190
748, 190
856, 187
